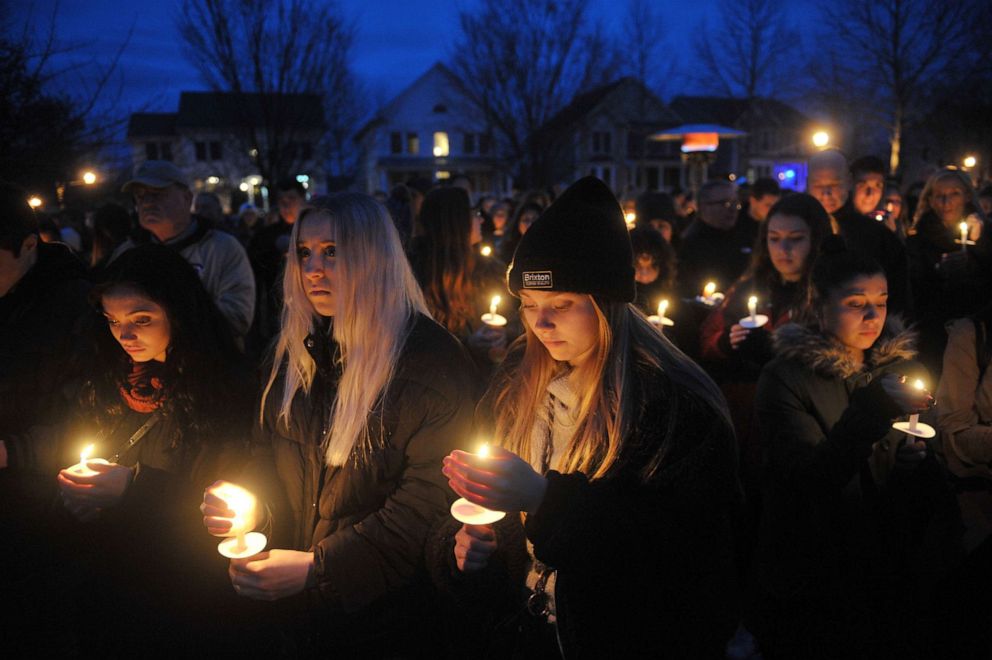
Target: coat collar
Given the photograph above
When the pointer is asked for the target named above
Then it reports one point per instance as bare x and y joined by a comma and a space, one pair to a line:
825, 355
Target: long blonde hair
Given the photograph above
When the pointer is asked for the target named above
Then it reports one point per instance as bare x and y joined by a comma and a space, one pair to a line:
376, 301
971, 205
609, 392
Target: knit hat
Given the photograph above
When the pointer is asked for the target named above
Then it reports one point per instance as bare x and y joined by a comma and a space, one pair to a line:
579, 244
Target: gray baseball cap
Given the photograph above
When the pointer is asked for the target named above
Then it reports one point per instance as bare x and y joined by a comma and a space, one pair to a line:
157, 174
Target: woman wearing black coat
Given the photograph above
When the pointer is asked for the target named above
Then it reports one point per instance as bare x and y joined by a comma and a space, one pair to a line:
616, 452
365, 397
166, 407
857, 524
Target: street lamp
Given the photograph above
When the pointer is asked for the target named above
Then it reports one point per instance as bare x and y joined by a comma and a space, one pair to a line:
89, 178
821, 139
35, 202
969, 162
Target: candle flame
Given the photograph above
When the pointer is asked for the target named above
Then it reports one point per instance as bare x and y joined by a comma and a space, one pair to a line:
709, 289
486, 250
630, 218
494, 304
484, 450
919, 385
662, 308
752, 301
85, 454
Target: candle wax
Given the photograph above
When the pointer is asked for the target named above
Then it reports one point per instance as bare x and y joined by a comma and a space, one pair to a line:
494, 320
472, 514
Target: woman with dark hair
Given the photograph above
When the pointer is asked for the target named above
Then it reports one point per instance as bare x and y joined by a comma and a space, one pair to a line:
788, 242
524, 217
615, 452
857, 524
949, 280
458, 282
167, 406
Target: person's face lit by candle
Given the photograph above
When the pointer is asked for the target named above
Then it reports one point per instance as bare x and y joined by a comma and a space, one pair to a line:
868, 188
500, 217
527, 218
316, 250
788, 245
565, 323
855, 312
139, 324
829, 187
645, 270
947, 199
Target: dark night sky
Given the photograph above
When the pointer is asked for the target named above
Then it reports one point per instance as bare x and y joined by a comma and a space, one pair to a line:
397, 40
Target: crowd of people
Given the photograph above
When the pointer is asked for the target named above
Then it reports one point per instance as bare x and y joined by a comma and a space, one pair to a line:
682, 403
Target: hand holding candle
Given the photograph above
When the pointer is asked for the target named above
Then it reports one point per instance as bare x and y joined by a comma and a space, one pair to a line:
500, 482
92, 485
660, 320
916, 398
491, 318
229, 510
753, 319
710, 295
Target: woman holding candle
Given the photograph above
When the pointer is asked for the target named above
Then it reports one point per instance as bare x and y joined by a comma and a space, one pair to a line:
857, 521
166, 411
949, 279
458, 284
365, 396
617, 450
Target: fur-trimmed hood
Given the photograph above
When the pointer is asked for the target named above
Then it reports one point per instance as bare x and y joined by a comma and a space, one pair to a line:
826, 356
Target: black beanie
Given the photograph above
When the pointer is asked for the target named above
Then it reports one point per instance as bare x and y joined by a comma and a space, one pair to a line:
579, 244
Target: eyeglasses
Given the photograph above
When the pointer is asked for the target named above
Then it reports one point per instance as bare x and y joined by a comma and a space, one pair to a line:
725, 203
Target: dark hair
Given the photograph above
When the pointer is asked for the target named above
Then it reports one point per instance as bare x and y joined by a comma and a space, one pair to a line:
648, 240
17, 218
764, 186
812, 213
400, 207
836, 266
867, 165
285, 185
655, 206
111, 224
985, 191
203, 390
443, 260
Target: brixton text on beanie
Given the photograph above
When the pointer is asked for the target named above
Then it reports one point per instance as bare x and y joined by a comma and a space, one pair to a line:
579, 244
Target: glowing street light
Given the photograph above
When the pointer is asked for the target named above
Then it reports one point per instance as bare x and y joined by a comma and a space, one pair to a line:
821, 139
969, 162
35, 202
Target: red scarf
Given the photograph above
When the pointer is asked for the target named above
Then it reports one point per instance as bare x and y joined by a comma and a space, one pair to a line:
143, 392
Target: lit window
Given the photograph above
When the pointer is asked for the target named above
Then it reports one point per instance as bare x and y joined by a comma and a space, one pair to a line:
440, 144
412, 143
441, 174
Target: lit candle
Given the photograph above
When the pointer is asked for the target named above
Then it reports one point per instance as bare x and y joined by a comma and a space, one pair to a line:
660, 319
630, 218
752, 308
964, 236
468, 513
709, 290
486, 251
914, 419
491, 318
244, 543
82, 468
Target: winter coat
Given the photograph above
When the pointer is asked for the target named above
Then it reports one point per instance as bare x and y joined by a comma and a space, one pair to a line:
707, 253
945, 289
849, 542
366, 522
644, 569
964, 399
221, 263
872, 239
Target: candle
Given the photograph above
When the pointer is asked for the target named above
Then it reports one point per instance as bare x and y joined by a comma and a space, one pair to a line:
660, 319
709, 290
964, 236
662, 308
82, 468
630, 218
486, 251
244, 543
472, 514
914, 419
491, 318
752, 308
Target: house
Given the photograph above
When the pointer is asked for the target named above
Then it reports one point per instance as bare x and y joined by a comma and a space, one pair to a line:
776, 145
604, 132
429, 131
214, 138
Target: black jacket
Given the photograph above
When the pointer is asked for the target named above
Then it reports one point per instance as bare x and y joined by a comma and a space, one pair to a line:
848, 541
707, 253
643, 568
367, 522
871, 238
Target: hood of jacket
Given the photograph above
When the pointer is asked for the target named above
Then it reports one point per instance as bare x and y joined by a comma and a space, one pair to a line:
827, 356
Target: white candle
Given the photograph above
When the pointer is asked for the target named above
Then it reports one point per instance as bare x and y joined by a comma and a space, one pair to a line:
82, 468
709, 290
752, 308
964, 236
245, 543
468, 513
486, 250
662, 308
914, 420
491, 318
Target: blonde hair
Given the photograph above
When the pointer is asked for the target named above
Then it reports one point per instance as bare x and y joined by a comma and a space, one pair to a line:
376, 301
947, 174
609, 393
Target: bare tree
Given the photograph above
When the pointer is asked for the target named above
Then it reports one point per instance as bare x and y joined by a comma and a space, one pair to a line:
271, 52
891, 52
521, 61
644, 36
747, 51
